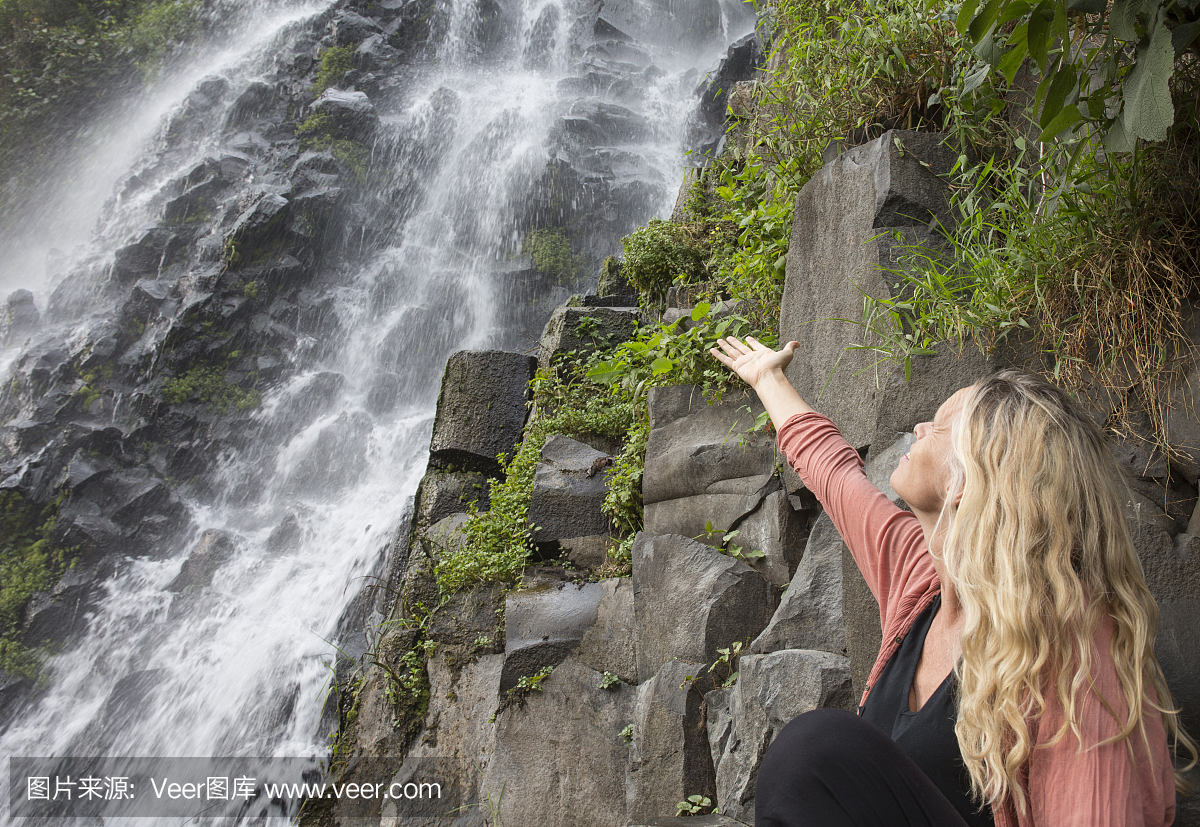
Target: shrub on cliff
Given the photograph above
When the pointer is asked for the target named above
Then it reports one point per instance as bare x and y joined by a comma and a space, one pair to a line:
661, 253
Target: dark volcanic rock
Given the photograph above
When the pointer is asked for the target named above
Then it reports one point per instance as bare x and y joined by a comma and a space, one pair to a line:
771, 690
350, 114
740, 63
349, 28
443, 493
60, 614
211, 552
691, 600
568, 491
20, 317
257, 101
572, 723
838, 247
481, 408
146, 256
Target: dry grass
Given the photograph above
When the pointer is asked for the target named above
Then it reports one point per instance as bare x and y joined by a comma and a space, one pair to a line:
1115, 314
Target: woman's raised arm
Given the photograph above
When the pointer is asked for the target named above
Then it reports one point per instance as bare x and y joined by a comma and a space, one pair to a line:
762, 369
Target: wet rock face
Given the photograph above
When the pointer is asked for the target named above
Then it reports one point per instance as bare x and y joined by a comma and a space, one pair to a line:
211, 305
350, 114
481, 409
562, 751
20, 318
690, 600
213, 549
568, 492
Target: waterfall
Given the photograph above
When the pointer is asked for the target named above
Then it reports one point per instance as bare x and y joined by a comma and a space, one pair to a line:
528, 114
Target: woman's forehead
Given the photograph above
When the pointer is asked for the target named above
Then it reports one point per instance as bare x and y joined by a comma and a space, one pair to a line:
950, 408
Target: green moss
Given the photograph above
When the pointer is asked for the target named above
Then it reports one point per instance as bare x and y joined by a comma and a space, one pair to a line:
29, 563
335, 63
354, 155
315, 126
318, 131
552, 255
207, 385
611, 282
250, 290
94, 384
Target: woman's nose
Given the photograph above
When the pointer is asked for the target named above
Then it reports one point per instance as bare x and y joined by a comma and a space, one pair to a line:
921, 429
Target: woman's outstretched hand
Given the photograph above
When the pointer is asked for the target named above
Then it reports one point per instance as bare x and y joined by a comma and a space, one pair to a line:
752, 360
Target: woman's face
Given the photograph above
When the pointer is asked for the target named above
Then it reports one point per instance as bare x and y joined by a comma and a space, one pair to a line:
922, 477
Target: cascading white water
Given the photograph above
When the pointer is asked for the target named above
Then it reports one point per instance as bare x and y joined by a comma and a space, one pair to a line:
241, 668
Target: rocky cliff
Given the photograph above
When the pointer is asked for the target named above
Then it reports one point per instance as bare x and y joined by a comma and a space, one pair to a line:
618, 701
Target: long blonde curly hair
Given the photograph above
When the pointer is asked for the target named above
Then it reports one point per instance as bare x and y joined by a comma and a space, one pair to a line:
1039, 552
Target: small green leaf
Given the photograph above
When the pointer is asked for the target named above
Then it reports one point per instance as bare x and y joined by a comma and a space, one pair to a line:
988, 50
661, 365
605, 373
700, 311
1060, 87
984, 21
1014, 10
975, 79
1068, 117
965, 14
1011, 63
1039, 34
1119, 138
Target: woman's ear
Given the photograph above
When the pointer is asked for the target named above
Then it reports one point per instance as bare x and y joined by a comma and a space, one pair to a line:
952, 495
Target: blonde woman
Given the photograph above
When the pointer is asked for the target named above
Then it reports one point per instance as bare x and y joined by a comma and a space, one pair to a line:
1017, 683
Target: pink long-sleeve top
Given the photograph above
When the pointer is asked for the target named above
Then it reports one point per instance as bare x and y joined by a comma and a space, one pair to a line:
1102, 786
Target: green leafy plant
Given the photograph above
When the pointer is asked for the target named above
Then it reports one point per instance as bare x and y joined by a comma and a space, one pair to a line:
728, 547
499, 541
846, 71
609, 681
532, 683
627, 733
1092, 270
1110, 67
693, 805
727, 662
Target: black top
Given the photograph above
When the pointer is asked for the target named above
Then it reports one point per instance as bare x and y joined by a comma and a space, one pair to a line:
927, 735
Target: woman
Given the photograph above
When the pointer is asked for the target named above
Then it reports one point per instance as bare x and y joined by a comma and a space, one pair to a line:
1017, 683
